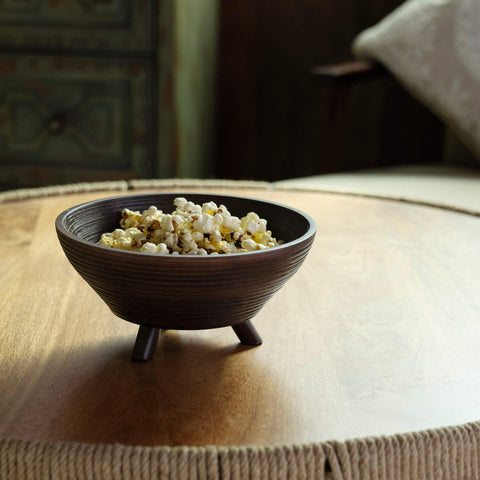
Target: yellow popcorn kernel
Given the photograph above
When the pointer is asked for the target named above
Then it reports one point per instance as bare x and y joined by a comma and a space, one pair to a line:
107, 240
118, 233
130, 218
125, 243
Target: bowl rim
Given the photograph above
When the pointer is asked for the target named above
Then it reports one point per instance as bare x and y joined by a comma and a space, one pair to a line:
61, 229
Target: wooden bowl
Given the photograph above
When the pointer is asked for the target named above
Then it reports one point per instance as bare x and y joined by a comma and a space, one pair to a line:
183, 292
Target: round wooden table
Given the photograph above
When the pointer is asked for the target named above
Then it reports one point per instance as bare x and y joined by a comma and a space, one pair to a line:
376, 334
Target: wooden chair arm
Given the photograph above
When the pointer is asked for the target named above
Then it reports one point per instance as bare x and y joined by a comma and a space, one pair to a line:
347, 72
338, 82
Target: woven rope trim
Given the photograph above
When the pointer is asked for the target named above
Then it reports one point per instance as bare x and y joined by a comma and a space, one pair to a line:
197, 183
450, 453
39, 192
396, 198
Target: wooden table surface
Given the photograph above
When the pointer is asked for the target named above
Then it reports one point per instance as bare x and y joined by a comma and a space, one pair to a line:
378, 333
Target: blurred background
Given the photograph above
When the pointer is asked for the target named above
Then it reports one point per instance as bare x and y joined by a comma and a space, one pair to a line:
96, 90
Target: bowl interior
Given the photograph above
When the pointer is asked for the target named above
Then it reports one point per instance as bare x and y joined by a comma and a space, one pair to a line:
88, 221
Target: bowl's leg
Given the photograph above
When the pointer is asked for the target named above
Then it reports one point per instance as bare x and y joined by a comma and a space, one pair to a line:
247, 333
145, 344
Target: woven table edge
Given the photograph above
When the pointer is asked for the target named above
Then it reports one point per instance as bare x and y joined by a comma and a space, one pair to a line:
124, 185
443, 453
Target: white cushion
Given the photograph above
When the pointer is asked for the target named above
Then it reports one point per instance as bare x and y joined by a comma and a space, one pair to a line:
439, 185
433, 48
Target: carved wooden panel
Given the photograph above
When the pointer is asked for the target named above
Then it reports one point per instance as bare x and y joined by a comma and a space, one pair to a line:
117, 25
75, 113
106, 90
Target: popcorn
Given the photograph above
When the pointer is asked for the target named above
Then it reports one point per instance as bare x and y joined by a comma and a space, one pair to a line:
190, 229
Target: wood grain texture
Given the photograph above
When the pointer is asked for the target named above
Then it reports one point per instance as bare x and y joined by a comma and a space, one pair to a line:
274, 118
377, 333
186, 292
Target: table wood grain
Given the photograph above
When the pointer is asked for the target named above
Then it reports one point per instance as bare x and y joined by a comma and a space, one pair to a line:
378, 333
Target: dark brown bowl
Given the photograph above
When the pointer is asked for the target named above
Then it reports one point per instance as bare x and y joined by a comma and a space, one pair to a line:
183, 292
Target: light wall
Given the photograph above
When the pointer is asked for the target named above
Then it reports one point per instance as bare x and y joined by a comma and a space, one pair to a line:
195, 71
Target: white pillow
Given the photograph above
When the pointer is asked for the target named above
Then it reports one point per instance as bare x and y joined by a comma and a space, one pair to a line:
433, 48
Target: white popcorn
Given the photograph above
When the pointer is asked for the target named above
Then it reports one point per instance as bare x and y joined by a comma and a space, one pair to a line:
130, 218
180, 202
107, 239
204, 223
231, 223
251, 245
166, 223
149, 248
209, 207
138, 237
171, 241
125, 243
189, 230
162, 249
178, 220
252, 223
151, 212
118, 233
184, 206
197, 236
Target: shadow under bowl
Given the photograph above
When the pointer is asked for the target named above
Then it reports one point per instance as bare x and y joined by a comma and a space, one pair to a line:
183, 292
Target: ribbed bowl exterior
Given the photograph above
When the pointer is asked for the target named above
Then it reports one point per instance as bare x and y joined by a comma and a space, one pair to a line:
183, 292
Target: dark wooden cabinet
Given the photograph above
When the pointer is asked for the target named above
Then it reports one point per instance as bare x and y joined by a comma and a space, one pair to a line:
102, 90
74, 118
96, 25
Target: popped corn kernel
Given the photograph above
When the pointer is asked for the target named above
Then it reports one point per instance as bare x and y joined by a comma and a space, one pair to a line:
197, 236
162, 249
189, 230
249, 244
118, 233
166, 223
180, 202
125, 243
107, 239
149, 247
130, 218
